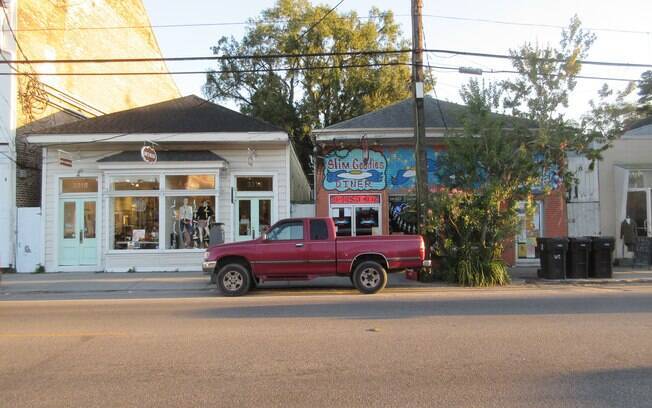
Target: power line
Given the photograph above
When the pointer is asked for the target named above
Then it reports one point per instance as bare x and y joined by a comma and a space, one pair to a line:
522, 24
320, 20
214, 57
510, 57
316, 54
286, 69
33, 77
227, 71
275, 21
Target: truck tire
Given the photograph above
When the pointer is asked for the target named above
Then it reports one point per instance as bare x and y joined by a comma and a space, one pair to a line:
253, 283
233, 280
370, 277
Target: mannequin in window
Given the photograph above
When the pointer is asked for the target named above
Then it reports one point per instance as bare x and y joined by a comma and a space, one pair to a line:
628, 233
185, 223
204, 216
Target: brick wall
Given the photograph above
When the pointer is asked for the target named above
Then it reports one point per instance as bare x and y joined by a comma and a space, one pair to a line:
555, 217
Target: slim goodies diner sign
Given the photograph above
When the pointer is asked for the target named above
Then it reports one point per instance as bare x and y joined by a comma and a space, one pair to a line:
356, 170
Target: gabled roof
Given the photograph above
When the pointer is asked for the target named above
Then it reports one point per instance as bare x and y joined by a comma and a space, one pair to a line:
188, 114
640, 128
400, 115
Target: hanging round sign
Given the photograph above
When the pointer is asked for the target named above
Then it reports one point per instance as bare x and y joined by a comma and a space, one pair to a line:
148, 154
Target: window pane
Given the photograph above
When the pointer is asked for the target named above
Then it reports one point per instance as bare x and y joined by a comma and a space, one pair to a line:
69, 220
402, 214
79, 185
254, 184
89, 219
640, 178
128, 183
187, 221
191, 182
135, 223
637, 210
244, 217
366, 221
318, 230
286, 231
264, 214
342, 220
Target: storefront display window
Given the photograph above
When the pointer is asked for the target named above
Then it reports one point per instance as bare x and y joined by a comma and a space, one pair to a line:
356, 214
637, 210
530, 230
136, 223
366, 221
402, 214
188, 220
342, 217
190, 182
134, 183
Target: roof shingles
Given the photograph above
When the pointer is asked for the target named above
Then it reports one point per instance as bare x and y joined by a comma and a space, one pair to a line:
188, 114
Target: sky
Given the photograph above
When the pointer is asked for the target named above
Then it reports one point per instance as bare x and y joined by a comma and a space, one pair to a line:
601, 16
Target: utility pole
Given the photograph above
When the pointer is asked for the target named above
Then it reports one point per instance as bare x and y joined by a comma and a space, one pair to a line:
419, 117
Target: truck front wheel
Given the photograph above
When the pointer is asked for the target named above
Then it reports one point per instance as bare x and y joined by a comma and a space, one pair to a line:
233, 280
370, 277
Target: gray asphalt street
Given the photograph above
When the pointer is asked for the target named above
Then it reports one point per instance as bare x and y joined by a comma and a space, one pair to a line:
526, 346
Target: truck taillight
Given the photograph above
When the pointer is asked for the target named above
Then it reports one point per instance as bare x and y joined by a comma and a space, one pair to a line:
422, 249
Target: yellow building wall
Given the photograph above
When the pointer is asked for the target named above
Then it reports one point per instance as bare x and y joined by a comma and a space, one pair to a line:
104, 93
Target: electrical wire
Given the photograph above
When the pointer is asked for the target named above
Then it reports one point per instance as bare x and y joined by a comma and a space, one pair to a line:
275, 21
434, 87
317, 54
312, 68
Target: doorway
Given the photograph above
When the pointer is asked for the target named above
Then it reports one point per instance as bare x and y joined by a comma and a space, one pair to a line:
78, 232
253, 217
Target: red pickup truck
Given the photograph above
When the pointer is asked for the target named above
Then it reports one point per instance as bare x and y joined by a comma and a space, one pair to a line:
307, 248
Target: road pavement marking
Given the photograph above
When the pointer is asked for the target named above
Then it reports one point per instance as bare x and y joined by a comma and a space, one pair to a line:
65, 334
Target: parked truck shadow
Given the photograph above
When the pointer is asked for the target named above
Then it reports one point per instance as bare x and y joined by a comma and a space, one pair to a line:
369, 307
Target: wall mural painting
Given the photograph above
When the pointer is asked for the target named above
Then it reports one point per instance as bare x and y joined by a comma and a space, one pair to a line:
360, 170
401, 168
354, 170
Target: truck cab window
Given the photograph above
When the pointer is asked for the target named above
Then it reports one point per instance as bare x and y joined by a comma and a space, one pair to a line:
318, 230
286, 231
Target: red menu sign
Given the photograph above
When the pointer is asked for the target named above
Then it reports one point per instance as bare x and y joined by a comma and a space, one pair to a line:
355, 199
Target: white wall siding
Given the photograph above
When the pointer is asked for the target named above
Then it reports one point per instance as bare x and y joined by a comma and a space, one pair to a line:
270, 160
300, 187
583, 219
587, 188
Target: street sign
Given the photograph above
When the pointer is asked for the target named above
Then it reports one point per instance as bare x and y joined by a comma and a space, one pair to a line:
148, 154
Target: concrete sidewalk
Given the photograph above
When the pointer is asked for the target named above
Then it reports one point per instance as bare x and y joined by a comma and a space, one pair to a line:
620, 275
179, 283
196, 284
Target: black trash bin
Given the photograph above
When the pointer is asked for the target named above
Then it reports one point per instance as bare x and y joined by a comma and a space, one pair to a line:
552, 253
578, 259
216, 234
601, 257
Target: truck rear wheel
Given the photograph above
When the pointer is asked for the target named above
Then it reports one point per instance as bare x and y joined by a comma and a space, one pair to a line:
233, 280
370, 277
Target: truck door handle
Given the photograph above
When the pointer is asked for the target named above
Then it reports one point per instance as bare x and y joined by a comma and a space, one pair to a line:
300, 245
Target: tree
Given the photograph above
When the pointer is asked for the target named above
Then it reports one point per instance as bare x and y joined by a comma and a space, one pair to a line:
498, 162
297, 93
645, 93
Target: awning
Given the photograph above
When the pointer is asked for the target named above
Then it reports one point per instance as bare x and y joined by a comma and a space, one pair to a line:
165, 156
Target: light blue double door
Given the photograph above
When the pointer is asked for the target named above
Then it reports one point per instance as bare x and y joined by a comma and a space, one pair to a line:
78, 232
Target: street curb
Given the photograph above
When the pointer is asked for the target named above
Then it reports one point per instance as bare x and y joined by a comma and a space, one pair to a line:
587, 281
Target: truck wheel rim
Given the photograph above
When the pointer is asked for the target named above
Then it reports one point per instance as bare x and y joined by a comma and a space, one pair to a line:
370, 278
232, 280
